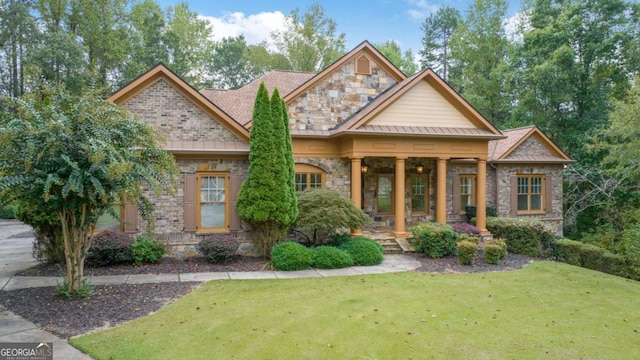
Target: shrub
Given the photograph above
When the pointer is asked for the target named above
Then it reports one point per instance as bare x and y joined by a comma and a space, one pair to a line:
219, 247
523, 236
364, 251
323, 212
465, 237
329, 257
290, 256
110, 247
470, 212
48, 246
8, 212
434, 239
494, 251
466, 251
336, 240
466, 228
146, 250
593, 257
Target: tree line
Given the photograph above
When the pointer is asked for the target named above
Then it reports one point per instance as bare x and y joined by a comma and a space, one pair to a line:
567, 66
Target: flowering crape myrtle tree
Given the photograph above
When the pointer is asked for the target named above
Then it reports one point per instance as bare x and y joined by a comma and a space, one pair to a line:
74, 156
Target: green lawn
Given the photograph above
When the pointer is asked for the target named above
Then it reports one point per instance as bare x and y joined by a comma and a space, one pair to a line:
545, 311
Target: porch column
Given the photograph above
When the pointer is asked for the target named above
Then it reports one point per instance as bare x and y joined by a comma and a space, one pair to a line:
441, 191
399, 195
356, 187
481, 201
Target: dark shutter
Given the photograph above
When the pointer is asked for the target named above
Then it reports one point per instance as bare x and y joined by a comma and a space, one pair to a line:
235, 181
130, 218
514, 195
190, 193
456, 194
548, 193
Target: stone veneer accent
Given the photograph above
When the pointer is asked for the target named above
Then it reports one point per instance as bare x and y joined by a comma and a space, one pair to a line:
455, 170
529, 147
337, 172
336, 97
177, 118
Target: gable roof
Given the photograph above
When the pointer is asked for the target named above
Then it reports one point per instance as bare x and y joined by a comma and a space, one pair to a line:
500, 150
161, 72
358, 122
239, 103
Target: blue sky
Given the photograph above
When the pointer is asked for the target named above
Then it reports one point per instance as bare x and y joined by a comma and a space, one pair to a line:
372, 20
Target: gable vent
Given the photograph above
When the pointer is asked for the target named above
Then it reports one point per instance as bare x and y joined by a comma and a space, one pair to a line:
363, 65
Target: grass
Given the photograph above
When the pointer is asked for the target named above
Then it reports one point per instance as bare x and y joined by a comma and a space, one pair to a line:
545, 311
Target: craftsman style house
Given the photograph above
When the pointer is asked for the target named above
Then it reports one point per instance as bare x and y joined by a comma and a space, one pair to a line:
404, 149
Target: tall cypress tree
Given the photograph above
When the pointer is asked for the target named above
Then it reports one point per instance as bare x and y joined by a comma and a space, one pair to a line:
264, 202
290, 164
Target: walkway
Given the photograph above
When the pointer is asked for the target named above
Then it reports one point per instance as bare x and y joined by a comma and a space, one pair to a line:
16, 241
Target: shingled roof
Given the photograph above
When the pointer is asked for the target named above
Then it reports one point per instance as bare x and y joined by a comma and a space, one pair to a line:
501, 150
239, 103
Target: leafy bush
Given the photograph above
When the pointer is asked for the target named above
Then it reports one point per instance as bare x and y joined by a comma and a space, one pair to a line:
466, 228
329, 257
471, 210
494, 251
364, 251
290, 256
110, 247
323, 212
8, 212
336, 240
594, 257
434, 239
219, 247
48, 246
146, 250
523, 236
466, 251
465, 237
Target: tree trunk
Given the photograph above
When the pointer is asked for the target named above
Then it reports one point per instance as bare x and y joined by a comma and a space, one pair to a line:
76, 244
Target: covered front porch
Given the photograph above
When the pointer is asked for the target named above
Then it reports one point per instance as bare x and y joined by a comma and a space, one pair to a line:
401, 191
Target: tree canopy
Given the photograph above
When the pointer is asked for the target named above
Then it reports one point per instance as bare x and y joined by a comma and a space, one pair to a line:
74, 156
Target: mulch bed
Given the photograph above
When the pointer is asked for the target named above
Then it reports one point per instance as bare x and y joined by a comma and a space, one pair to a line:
112, 305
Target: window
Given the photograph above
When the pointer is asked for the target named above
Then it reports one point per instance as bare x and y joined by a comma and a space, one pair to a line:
308, 177
530, 199
107, 221
384, 194
212, 205
419, 194
467, 191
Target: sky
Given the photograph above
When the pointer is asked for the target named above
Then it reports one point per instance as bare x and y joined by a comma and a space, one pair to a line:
374, 20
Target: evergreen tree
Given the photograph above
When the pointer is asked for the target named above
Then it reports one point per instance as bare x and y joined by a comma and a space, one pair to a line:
290, 165
263, 199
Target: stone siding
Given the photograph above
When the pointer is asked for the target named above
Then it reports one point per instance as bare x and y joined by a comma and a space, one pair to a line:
336, 97
337, 171
453, 171
529, 147
175, 117
504, 173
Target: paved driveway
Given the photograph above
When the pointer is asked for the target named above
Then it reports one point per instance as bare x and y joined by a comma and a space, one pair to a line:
16, 242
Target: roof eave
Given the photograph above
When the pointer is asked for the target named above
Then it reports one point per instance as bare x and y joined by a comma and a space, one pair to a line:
457, 136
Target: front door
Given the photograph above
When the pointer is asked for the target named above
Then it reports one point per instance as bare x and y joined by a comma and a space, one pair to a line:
384, 195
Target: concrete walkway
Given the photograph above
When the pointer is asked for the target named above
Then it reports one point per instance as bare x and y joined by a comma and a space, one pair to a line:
16, 241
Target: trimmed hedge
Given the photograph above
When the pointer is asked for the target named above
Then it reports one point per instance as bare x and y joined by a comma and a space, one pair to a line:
494, 251
329, 257
592, 257
219, 247
529, 237
364, 251
466, 251
110, 247
289, 256
436, 240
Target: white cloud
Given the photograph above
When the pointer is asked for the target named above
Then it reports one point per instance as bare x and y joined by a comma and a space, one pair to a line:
422, 9
513, 24
256, 28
